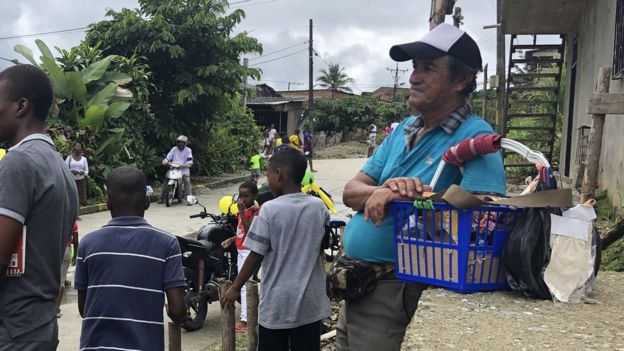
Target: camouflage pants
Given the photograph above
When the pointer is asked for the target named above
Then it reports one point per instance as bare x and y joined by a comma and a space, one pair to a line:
378, 320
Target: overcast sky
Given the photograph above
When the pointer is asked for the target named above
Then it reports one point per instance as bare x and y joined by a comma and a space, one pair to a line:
357, 34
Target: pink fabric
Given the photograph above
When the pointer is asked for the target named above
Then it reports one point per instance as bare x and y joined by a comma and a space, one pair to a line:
469, 148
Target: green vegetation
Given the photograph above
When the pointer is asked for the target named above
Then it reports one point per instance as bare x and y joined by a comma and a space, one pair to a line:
335, 78
355, 113
195, 82
141, 77
613, 256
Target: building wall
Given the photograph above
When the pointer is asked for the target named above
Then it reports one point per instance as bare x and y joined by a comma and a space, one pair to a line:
596, 32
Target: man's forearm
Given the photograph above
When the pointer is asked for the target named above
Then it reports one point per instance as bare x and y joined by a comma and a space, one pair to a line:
356, 193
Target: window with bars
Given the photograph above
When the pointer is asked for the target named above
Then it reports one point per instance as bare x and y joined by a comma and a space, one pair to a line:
618, 46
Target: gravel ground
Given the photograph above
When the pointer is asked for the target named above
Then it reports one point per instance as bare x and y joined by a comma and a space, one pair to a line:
508, 321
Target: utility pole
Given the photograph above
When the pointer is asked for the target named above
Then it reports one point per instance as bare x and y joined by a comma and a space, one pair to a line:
457, 17
246, 64
439, 10
396, 78
311, 75
485, 83
500, 70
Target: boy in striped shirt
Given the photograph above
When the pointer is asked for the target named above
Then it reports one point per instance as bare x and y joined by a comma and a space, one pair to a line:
123, 272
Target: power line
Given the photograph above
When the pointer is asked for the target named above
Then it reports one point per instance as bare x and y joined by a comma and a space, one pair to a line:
44, 33
279, 58
276, 51
257, 3
319, 56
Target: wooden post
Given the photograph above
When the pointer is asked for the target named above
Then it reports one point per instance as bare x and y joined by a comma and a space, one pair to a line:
500, 71
252, 315
438, 12
175, 337
590, 182
484, 100
228, 335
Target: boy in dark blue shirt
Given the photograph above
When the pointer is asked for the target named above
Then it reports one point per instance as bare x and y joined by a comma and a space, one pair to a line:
124, 270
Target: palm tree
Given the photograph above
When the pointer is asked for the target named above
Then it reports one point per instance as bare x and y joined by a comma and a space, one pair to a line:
335, 78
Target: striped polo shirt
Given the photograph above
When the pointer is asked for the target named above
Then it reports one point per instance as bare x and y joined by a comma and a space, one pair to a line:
125, 267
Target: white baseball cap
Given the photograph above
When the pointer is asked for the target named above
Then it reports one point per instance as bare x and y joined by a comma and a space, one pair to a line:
444, 39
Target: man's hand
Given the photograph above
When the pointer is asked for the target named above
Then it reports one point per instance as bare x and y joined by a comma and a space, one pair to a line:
230, 296
406, 187
81, 172
376, 207
74, 172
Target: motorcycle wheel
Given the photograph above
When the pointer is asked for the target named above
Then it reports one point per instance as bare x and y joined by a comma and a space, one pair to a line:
170, 194
196, 309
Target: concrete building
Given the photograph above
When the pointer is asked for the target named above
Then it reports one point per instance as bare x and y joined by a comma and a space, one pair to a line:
594, 37
386, 93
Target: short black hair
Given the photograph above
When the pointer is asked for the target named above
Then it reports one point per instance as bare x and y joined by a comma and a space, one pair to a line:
30, 82
293, 161
249, 185
126, 185
458, 70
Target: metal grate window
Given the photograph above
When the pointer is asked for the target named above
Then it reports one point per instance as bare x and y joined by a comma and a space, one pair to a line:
618, 46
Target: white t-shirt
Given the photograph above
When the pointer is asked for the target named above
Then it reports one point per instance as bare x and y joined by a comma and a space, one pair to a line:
272, 133
394, 125
373, 130
80, 165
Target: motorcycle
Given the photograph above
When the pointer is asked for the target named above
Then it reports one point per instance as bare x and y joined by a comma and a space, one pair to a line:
205, 262
174, 183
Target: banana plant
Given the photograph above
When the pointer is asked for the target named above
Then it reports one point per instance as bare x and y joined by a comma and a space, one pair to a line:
94, 93
87, 95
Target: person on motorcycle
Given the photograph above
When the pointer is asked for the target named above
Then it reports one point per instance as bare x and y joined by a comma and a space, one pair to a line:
182, 155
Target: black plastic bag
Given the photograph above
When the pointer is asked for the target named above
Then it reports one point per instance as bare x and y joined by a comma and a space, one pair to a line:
527, 251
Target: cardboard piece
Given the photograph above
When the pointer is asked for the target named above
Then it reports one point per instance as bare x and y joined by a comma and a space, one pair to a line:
460, 198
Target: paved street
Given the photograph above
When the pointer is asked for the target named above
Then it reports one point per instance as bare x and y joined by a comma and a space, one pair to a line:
332, 176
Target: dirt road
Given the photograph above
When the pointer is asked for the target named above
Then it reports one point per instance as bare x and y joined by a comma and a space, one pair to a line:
507, 321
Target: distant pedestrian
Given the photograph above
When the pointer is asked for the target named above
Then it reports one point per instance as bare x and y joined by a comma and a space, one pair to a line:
393, 126
388, 130
79, 168
372, 139
295, 140
308, 146
124, 271
255, 165
38, 207
285, 239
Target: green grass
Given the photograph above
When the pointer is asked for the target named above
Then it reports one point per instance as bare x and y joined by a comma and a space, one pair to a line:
612, 257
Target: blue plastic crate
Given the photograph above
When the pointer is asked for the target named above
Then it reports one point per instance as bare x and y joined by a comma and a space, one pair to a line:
456, 249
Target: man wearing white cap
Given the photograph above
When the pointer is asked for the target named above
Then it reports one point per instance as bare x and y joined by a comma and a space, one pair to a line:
445, 64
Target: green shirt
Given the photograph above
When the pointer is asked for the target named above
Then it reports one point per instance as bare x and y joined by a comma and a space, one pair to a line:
255, 161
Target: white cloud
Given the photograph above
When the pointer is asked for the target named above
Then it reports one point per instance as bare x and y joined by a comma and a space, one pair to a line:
355, 33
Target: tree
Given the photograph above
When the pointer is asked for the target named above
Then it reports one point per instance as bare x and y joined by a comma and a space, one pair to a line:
100, 102
335, 78
355, 112
194, 59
